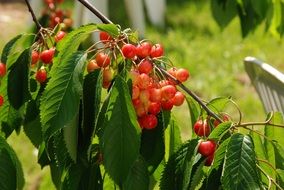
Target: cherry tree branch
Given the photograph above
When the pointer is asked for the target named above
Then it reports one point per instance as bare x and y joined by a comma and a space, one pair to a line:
96, 12
38, 25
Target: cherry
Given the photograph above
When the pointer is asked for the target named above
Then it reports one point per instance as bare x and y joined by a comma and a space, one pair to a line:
145, 66
157, 50
201, 128
225, 117
107, 75
103, 60
59, 36
135, 92
140, 109
143, 81
178, 98
2, 69
209, 160
148, 121
144, 96
49, 1
1, 100
41, 75
134, 77
207, 148
47, 55
173, 71
59, 1
168, 92
92, 65
104, 36
155, 94
128, 51
154, 108
182, 75
68, 22
143, 50
35, 57
168, 104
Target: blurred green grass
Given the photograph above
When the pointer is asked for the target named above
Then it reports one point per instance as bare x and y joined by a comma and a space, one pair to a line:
214, 58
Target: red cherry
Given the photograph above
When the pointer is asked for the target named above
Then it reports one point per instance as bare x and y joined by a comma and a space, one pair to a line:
104, 36
47, 55
173, 71
144, 96
103, 60
157, 50
143, 50
182, 75
35, 57
209, 160
59, 1
41, 75
92, 65
168, 92
59, 36
168, 104
135, 92
143, 81
134, 77
68, 22
2, 69
140, 109
178, 98
128, 51
145, 66
136, 102
207, 148
155, 94
49, 1
107, 75
201, 128
1, 100
148, 121
225, 117
154, 108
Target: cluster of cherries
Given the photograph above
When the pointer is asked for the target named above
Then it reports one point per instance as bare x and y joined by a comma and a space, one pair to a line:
57, 15
150, 94
202, 128
2, 74
45, 58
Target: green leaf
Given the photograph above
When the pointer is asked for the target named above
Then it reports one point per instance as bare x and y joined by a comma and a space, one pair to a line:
152, 144
198, 177
189, 163
194, 110
240, 170
111, 29
69, 45
72, 178
259, 150
177, 172
138, 177
18, 81
219, 156
70, 134
61, 98
15, 47
172, 138
219, 131
11, 173
280, 175
121, 136
223, 11
275, 20
92, 178
32, 125
273, 133
218, 104
91, 104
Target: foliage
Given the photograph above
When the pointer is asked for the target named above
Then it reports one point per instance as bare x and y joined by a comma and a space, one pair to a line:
92, 137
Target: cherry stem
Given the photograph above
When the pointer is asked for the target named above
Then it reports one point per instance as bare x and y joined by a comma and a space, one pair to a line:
259, 123
38, 25
96, 12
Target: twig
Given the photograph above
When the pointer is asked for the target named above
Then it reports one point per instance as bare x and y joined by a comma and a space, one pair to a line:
259, 123
94, 10
270, 178
38, 25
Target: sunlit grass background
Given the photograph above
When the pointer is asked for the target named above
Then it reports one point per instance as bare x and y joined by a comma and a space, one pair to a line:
194, 41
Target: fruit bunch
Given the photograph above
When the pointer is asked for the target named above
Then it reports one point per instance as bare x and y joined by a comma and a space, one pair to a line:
56, 15
43, 53
151, 91
202, 128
